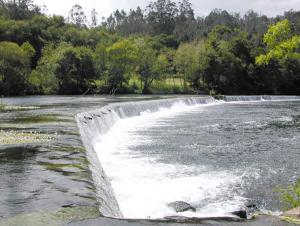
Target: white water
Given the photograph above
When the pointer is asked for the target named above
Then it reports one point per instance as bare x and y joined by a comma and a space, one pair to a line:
143, 186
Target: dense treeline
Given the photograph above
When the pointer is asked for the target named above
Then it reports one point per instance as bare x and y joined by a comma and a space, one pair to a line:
164, 48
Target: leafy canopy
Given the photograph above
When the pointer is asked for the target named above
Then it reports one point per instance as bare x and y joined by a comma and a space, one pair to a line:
280, 43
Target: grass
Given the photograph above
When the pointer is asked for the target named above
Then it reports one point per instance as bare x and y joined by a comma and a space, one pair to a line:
290, 195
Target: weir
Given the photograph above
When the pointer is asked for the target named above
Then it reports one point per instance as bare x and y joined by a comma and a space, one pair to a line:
94, 124
259, 98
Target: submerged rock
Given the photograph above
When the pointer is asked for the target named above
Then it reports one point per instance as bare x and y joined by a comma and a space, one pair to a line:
245, 213
180, 206
240, 213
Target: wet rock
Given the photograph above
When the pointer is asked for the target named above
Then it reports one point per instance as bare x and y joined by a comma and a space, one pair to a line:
252, 206
240, 213
252, 209
68, 206
180, 206
88, 118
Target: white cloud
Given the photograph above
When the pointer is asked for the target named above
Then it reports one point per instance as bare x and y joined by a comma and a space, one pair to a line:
202, 7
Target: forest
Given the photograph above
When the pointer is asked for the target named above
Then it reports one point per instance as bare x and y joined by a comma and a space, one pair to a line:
162, 49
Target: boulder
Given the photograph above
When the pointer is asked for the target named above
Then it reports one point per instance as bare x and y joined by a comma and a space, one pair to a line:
180, 206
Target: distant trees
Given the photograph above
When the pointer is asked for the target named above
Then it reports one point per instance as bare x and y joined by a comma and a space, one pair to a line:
65, 70
161, 17
14, 67
77, 16
94, 19
186, 25
19, 10
163, 48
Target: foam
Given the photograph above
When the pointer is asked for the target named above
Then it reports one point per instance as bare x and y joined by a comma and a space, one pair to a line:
144, 186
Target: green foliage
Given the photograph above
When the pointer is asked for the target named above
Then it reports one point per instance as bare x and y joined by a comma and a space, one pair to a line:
14, 68
76, 71
290, 195
43, 78
185, 61
227, 62
163, 49
280, 43
19, 10
28, 49
161, 16
65, 69
122, 57
146, 64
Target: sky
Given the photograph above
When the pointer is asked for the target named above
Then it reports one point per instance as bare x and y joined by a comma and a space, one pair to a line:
201, 7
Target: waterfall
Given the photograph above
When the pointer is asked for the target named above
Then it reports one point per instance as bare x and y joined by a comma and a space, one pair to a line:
96, 123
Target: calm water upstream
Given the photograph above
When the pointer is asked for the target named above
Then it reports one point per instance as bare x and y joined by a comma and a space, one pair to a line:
217, 157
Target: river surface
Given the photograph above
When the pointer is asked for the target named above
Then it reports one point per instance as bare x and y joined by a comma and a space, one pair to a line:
217, 157
46, 177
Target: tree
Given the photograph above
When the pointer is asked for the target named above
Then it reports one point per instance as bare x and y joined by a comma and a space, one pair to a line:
185, 61
185, 27
136, 22
76, 71
255, 24
14, 68
21, 9
161, 17
146, 65
77, 16
228, 62
221, 17
67, 69
94, 19
43, 79
280, 43
122, 56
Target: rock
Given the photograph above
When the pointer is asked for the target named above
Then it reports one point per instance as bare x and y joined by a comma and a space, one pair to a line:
68, 206
240, 213
295, 213
88, 118
247, 211
180, 206
252, 206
